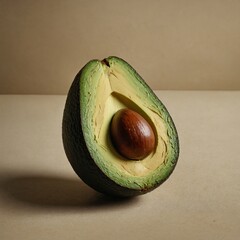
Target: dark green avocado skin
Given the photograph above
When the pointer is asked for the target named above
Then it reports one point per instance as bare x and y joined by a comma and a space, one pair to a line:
77, 152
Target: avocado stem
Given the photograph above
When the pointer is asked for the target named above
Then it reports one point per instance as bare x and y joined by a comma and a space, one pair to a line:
105, 62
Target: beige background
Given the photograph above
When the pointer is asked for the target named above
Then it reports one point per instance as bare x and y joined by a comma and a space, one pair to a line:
41, 198
172, 44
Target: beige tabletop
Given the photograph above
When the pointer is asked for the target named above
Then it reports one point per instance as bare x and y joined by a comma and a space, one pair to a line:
42, 198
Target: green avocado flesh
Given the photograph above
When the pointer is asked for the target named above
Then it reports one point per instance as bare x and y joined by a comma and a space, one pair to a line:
98, 91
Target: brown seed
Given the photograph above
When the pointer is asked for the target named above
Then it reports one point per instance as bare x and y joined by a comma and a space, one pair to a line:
131, 134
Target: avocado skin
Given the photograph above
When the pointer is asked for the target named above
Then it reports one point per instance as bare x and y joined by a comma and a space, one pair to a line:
78, 154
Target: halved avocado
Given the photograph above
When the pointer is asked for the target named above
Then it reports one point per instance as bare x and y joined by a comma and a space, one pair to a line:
98, 92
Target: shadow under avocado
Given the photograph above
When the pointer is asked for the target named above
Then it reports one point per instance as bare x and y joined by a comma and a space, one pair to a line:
53, 192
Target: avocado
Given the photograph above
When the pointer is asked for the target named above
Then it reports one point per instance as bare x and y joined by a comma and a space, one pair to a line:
118, 136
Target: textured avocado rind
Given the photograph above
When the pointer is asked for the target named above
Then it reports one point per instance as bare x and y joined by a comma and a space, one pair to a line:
78, 154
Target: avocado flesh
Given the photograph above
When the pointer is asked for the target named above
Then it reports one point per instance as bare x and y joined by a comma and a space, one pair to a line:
104, 88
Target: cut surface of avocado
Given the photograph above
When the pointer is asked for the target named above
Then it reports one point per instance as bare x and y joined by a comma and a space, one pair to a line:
110, 85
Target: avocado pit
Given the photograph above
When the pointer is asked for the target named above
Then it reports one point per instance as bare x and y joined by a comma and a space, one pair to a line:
131, 134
